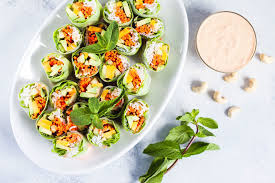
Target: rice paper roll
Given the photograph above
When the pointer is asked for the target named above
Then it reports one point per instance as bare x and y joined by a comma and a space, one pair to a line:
85, 64
56, 67
84, 12
67, 39
70, 124
110, 93
90, 87
135, 81
64, 94
119, 11
129, 41
149, 28
145, 8
135, 116
34, 97
90, 33
70, 145
114, 64
52, 125
155, 55
104, 137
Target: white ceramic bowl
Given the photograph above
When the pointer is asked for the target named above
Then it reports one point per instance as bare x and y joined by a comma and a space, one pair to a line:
162, 88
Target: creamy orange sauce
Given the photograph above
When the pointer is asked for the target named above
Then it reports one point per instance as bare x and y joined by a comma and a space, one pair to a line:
226, 41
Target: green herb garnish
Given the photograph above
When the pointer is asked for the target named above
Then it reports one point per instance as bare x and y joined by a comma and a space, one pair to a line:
168, 152
106, 42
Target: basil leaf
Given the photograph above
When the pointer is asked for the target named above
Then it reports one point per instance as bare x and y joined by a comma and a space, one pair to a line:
208, 122
204, 132
101, 40
94, 105
96, 121
187, 117
194, 113
164, 149
200, 147
180, 134
111, 35
156, 170
81, 116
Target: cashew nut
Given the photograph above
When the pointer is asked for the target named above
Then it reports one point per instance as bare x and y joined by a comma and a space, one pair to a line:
200, 89
219, 98
252, 84
232, 111
231, 77
266, 59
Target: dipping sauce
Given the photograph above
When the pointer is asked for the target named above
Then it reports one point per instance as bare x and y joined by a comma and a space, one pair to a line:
226, 41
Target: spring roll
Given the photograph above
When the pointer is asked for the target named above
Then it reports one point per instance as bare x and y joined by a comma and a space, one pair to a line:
90, 87
149, 28
145, 8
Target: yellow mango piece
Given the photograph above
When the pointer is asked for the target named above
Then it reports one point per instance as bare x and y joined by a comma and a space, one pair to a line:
44, 123
110, 71
104, 93
109, 134
129, 78
47, 66
124, 32
138, 2
134, 126
164, 56
153, 22
63, 143
119, 4
97, 85
94, 29
85, 55
35, 107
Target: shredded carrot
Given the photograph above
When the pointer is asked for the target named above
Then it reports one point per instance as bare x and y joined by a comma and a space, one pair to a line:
58, 127
86, 10
142, 6
68, 32
136, 112
136, 79
107, 127
121, 14
146, 29
41, 103
114, 57
128, 40
61, 102
156, 62
83, 84
72, 138
53, 61
149, 1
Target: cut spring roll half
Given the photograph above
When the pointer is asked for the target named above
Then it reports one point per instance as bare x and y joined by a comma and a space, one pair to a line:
85, 64
129, 41
64, 94
84, 12
145, 8
70, 124
149, 28
52, 125
135, 81
90, 33
90, 87
57, 67
114, 64
104, 137
67, 39
155, 55
111, 93
135, 116
34, 97
70, 145
119, 11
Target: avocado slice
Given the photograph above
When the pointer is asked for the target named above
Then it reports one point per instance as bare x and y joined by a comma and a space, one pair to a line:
44, 130
131, 119
91, 89
64, 44
126, 9
71, 14
143, 22
81, 58
123, 46
55, 70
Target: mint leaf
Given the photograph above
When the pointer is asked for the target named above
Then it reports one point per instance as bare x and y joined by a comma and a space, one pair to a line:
187, 117
164, 149
94, 105
180, 134
81, 116
111, 35
204, 132
194, 113
156, 171
208, 122
200, 147
101, 40
96, 121
94, 48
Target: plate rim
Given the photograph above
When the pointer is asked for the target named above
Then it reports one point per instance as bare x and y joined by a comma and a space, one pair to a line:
138, 138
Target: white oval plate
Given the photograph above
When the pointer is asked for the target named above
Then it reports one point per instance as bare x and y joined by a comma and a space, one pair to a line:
163, 85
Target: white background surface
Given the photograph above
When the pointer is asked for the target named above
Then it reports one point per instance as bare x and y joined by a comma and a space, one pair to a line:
247, 145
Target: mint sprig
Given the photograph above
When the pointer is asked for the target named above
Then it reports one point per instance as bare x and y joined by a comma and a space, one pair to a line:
168, 152
106, 42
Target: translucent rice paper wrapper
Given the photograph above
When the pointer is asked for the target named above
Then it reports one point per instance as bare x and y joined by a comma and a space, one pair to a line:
67, 68
158, 34
22, 103
125, 122
45, 115
97, 141
57, 43
145, 14
106, 19
145, 86
77, 151
145, 59
89, 21
62, 85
